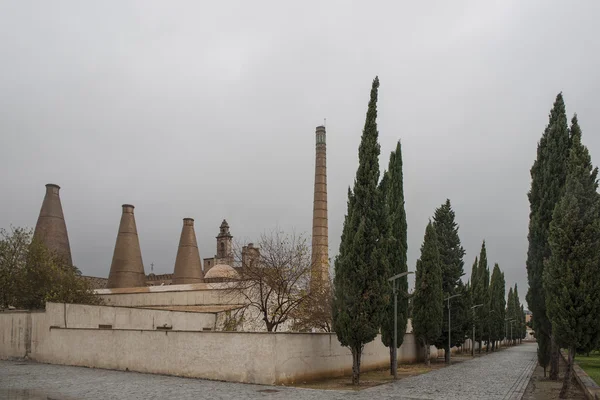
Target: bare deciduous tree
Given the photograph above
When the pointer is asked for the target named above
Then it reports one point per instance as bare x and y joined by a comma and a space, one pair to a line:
314, 314
274, 280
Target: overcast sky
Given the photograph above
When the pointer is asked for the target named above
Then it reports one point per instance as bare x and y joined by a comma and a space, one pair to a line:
208, 110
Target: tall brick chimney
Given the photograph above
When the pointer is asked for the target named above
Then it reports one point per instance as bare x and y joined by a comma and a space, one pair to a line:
320, 235
127, 269
188, 268
51, 229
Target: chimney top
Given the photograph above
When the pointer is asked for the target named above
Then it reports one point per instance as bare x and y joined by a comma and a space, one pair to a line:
188, 221
52, 185
320, 128
128, 208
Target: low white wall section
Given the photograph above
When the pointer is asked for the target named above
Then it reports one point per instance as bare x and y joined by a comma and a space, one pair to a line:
15, 333
85, 316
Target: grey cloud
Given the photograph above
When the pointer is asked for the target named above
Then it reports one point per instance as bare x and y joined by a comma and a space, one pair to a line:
191, 109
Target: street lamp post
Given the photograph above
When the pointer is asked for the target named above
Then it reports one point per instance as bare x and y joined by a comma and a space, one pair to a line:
473, 338
393, 279
449, 330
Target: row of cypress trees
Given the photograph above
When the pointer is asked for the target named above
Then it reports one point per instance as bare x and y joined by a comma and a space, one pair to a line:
373, 248
496, 317
563, 258
438, 277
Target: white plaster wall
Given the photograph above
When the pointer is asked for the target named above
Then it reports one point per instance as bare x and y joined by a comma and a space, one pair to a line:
14, 331
211, 355
86, 316
231, 356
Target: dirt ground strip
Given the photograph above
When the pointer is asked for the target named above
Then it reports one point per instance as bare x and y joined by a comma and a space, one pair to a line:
380, 377
541, 388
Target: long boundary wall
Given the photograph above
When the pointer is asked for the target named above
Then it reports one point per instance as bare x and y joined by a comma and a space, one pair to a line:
251, 357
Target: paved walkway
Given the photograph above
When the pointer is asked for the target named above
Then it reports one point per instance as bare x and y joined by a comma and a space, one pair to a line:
502, 375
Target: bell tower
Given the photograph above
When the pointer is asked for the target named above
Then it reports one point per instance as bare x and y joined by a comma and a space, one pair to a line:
224, 245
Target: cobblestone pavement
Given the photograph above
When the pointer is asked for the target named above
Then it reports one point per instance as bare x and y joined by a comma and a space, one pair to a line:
502, 375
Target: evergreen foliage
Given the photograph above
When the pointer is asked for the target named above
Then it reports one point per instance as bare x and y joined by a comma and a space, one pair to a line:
428, 297
523, 325
571, 274
361, 290
452, 266
462, 316
510, 307
497, 305
480, 288
473, 297
474, 274
543, 350
392, 190
548, 175
514, 314
31, 274
517, 315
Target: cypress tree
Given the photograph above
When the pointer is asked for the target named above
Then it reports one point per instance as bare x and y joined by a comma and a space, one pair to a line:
523, 332
543, 350
392, 189
483, 283
452, 266
428, 298
474, 283
361, 270
571, 275
548, 175
497, 305
517, 314
474, 273
510, 307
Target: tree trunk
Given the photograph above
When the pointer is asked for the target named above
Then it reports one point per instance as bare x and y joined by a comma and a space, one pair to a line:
554, 355
493, 346
567, 380
446, 354
427, 354
356, 353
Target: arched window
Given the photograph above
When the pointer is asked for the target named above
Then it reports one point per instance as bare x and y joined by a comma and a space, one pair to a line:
222, 248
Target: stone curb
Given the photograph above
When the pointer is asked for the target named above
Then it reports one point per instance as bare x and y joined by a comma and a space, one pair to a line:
518, 389
588, 385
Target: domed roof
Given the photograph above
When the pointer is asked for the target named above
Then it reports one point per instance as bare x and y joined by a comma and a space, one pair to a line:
221, 271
